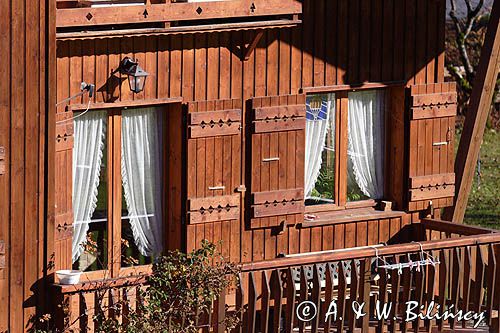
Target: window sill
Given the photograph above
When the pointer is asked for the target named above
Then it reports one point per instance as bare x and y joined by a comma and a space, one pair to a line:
106, 283
351, 215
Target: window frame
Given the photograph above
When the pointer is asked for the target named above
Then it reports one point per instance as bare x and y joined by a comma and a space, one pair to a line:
341, 158
114, 267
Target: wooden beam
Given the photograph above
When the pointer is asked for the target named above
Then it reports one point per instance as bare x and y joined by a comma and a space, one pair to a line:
453, 228
175, 11
249, 50
477, 115
124, 104
191, 29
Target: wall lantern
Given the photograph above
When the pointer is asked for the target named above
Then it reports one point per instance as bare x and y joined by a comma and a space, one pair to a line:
136, 75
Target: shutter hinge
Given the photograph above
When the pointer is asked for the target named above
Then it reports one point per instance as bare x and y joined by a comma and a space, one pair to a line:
241, 189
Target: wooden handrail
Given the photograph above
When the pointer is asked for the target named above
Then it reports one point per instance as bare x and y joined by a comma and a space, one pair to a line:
455, 228
349, 254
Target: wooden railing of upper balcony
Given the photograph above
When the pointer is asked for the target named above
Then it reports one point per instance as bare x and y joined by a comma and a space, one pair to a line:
85, 13
272, 294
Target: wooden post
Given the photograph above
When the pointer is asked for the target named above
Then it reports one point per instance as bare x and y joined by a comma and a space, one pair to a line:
475, 122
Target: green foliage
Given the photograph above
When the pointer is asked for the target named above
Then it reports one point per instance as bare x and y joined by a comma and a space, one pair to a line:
484, 202
178, 298
325, 184
181, 292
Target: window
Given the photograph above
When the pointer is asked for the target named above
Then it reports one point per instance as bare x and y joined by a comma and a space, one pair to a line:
117, 202
320, 149
345, 142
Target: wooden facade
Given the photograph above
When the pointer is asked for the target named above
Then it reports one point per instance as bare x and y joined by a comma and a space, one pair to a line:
319, 55
241, 180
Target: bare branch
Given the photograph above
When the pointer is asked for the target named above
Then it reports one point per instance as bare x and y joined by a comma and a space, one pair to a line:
454, 17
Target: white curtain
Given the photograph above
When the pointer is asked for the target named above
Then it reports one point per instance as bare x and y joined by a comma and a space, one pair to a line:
317, 126
366, 141
90, 132
142, 178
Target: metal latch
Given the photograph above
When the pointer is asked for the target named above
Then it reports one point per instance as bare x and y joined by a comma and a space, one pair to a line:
2, 161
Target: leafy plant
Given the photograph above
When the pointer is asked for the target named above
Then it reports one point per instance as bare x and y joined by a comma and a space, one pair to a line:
181, 292
178, 297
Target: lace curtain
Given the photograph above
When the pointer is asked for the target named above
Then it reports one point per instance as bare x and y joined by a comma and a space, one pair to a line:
318, 124
90, 132
141, 176
366, 141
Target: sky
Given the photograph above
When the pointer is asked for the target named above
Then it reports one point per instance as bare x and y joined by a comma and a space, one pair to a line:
462, 9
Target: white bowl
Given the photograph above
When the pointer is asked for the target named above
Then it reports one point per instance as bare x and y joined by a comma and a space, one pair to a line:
68, 276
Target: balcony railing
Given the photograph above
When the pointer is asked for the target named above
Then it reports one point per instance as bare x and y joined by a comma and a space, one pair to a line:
85, 13
318, 292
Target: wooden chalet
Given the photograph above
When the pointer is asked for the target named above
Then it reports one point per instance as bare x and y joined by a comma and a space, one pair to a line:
309, 137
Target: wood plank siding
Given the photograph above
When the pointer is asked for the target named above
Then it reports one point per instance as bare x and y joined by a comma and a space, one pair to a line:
340, 45
27, 42
345, 43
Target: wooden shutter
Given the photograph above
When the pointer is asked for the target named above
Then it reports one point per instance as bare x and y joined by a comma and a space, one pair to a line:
64, 190
278, 152
213, 167
431, 178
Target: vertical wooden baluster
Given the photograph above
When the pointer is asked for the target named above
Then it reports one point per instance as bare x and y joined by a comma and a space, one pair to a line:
478, 286
455, 284
443, 282
252, 303
277, 296
364, 292
431, 287
83, 317
208, 315
342, 297
220, 313
126, 305
406, 279
491, 283
466, 281
419, 293
381, 324
291, 292
303, 294
395, 286
353, 294
240, 299
496, 296
316, 298
265, 300
329, 285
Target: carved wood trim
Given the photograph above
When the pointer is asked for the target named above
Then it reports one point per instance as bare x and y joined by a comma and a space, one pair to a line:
214, 123
215, 209
276, 203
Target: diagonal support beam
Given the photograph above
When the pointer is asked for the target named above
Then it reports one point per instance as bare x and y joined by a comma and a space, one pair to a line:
249, 50
477, 115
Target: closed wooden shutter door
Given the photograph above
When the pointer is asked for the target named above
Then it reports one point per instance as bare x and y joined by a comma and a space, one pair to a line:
64, 190
277, 157
214, 168
431, 178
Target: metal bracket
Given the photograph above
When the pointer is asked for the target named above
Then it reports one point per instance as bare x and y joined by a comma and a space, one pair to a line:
271, 159
217, 188
2, 161
241, 189
444, 143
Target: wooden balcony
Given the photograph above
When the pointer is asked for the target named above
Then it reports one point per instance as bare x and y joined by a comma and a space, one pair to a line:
467, 277
79, 15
